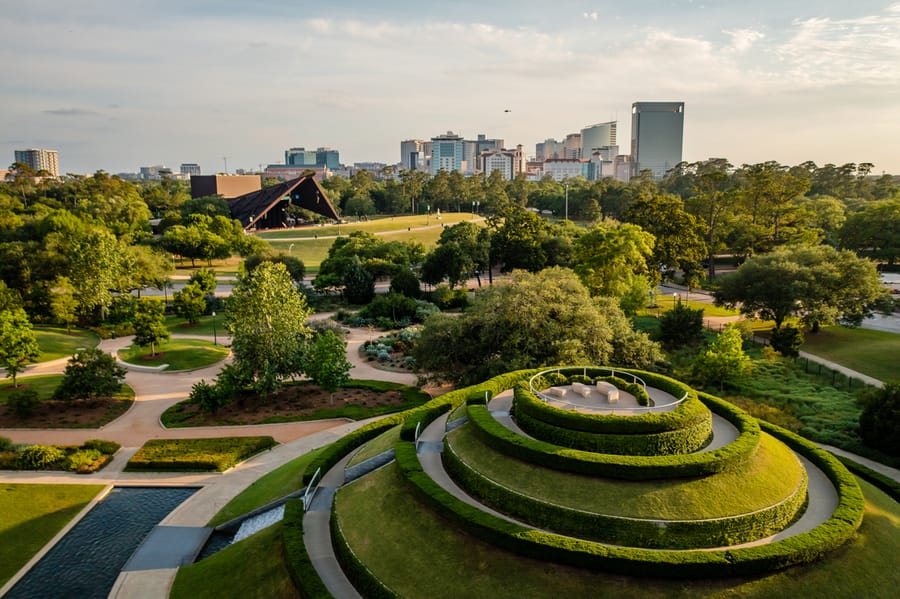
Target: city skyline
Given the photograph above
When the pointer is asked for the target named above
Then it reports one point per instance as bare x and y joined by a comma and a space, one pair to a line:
114, 86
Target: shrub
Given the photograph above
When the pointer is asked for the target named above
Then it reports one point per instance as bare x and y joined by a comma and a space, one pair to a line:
210, 397
446, 298
393, 306
405, 282
186, 455
40, 457
681, 325
786, 341
879, 423
104, 447
82, 460
90, 373
303, 573
6, 444
23, 403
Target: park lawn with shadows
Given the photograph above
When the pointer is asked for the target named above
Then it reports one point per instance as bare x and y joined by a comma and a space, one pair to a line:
873, 353
374, 226
772, 475
196, 455
251, 568
282, 481
55, 342
302, 401
53, 413
418, 553
204, 326
377, 446
179, 354
31, 515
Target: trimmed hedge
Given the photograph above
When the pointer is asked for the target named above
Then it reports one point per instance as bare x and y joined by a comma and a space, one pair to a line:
687, 414
734, 455
802, 548
423, 417
362, 578
299, 565
532, 416
885, 483
629, 532
337, 450
191, 455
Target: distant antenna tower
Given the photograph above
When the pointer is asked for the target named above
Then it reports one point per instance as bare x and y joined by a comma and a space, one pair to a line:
225, 159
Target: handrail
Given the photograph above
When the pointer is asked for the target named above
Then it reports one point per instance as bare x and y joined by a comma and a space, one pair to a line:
311, 490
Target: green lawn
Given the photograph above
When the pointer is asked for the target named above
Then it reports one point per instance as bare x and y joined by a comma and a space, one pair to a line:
179, 354
179, 326
44, 385
377, 225
55, 342
666, 303
276, 484
419, 554
248, 569
874, 353
773, 475
30, 515
376, 446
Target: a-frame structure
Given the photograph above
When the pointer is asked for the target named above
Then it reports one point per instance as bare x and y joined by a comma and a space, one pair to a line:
266, 208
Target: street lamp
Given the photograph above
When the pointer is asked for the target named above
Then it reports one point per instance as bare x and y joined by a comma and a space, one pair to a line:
674, 299
215, 339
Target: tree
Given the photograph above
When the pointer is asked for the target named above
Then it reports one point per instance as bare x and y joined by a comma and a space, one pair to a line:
611, 259
786, 340
678, 234
714, 198
190, 302
325, 362
879, 423
205, 279
819, 284
63, 303
681, 325
359, 284
533, 320
724, 359
95, 267
90, 373
18, 344
405, 282
295, 266
874, 231
266, 317
150, 325
516, 241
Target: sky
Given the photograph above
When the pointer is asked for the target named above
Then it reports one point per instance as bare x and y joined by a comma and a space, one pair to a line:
115, 85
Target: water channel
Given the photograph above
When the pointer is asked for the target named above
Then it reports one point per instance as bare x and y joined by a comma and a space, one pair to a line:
87, 561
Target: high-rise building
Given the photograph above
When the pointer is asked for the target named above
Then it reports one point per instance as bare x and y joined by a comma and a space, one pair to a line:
508, 162
657, 131
318, 158
189, 168
594, 137
447, 153
328, 158
549, 148
412, 154
573, 146
40, 160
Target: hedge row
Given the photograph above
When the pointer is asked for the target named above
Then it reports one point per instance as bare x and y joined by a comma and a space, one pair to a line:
623, 531
188, 455
885, 483
732, 456
362, 578
421, 419
695, 435
687, 414
299, 565
802, 548
337, 450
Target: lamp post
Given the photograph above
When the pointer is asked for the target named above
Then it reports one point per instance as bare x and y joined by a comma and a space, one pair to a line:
674, 299
215, 338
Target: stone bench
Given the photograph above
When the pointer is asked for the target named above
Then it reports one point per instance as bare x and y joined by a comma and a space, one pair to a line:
581, 389
608, 390
557, 391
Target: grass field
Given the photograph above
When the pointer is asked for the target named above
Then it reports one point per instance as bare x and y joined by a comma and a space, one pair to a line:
179, 354
55, 343
376, 446
44, 385
418, 554
874, 353
30, 515
773, 475
274, 485
252, 568
375, 226
204, 326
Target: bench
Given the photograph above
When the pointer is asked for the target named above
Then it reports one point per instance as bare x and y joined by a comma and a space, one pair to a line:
557, 391
581, 389
609, 390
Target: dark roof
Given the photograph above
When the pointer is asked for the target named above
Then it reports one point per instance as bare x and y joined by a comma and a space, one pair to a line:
304, 192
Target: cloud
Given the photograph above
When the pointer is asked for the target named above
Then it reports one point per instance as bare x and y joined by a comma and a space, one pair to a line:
742, 39
593, 16
76, 112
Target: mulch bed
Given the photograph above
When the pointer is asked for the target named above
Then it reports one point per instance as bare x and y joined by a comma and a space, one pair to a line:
294, 402
78, 413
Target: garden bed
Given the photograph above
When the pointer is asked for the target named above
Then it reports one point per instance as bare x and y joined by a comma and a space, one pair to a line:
55, 413
193, 455
82, 459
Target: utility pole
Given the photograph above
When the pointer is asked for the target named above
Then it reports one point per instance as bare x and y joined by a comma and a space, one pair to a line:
225, 159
